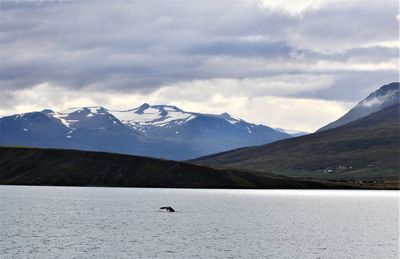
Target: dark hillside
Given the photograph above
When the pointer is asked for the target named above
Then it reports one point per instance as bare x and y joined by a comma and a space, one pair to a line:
30, 166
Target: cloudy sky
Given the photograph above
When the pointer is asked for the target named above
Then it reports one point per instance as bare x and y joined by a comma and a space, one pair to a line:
291, 64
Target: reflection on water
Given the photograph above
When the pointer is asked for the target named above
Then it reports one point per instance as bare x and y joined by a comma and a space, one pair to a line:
72, 222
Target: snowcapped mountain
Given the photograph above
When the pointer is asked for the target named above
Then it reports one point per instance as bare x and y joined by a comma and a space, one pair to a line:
81, 128
160, 131
385, 96
87, 117
148, 118
145, 117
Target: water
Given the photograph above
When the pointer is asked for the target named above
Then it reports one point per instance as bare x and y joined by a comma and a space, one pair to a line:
68, 222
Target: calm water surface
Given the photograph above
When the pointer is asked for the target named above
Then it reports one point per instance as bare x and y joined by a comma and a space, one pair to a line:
69, 222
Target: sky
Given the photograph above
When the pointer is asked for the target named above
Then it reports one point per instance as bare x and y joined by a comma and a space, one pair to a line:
289, 64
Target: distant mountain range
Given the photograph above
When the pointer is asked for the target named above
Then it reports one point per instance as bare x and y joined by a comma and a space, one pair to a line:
385, 96
162, 131
293, 133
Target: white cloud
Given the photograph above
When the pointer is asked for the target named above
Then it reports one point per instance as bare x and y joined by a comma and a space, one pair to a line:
281, 85
292, 7
385, 44
377, 100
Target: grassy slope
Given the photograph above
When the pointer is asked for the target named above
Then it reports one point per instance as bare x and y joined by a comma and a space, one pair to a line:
369, 145
32, 166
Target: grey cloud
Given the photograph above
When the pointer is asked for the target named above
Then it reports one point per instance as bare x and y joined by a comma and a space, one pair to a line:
242, 48
350, 23
142, 46
351, 86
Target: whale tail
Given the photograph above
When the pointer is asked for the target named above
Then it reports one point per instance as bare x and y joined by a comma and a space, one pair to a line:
170, 209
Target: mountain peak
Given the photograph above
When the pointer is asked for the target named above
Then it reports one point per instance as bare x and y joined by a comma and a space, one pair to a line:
225, 115
394, 86
142, 108
385, 96
229, 118
47, 111
161, 109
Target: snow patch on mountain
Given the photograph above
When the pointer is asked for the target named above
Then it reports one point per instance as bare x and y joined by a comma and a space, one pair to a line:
62, 118
157, 115
71, 116
229, 118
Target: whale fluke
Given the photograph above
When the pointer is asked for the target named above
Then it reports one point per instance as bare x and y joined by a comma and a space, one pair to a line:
170, 209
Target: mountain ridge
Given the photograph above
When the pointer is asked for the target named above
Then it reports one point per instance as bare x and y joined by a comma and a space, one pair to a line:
163, 131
